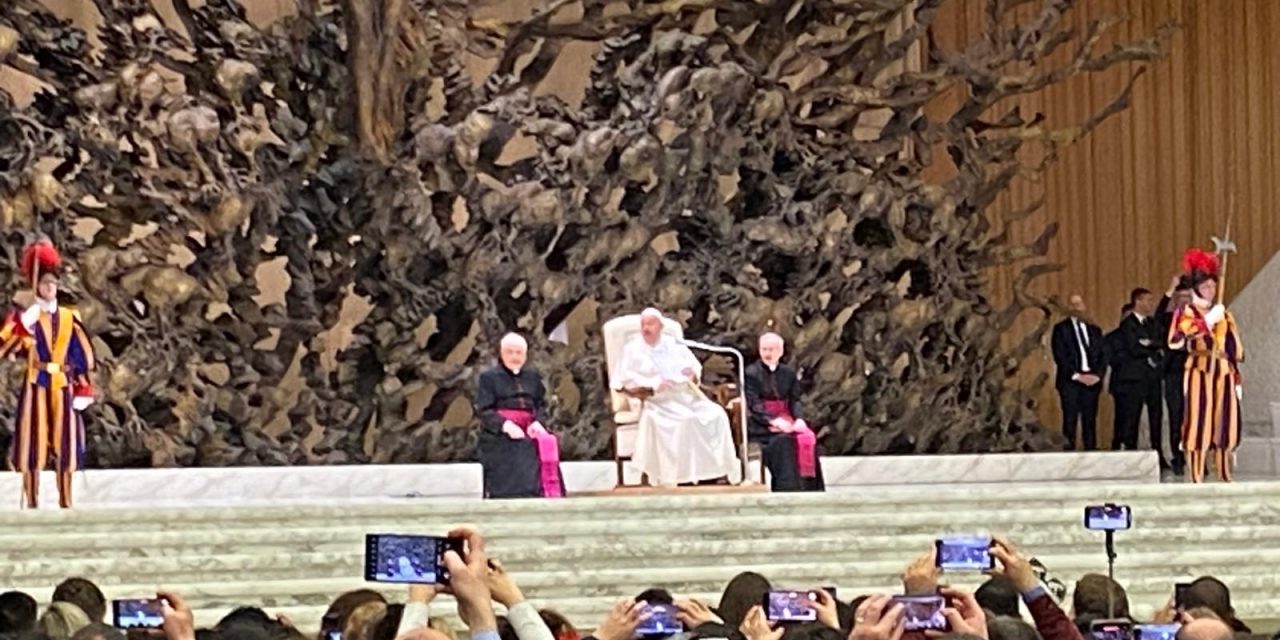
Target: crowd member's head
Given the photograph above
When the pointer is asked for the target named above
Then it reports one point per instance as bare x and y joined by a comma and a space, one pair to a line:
244, 618
1006, 628
99, 631
62, 620
744, 591
335, 618
445, 630
83, 594
999, 596
1205, 629
1211, 593
559, 625
1091, 597
812, 631
385, 626
656, 596
505, 630
360, 619
17, 612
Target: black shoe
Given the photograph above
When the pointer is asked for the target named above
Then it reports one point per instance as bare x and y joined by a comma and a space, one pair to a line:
1164, 465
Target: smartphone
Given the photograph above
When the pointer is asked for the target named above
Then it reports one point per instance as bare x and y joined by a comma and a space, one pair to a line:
658, 620
832, 591
790, 606
965, 554
138, 613
1180, 591
923, 613
1108, 517
408, 559
1111, 630
1156, 631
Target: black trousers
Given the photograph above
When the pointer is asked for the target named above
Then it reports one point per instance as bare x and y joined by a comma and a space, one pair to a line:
1173, 400
1129, 404
1080, 406
779, 453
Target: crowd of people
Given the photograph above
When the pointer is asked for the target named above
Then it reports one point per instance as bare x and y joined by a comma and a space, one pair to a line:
995, 611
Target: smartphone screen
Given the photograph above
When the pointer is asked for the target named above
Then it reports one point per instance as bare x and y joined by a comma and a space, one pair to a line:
1180, 591
658, 620
1156, 631
965, 554
1108, 517
1111, 630
923, 612
790, 606
138, 613
407, 559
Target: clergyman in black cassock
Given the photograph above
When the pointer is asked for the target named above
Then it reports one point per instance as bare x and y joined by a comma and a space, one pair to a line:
787, 443
519, 456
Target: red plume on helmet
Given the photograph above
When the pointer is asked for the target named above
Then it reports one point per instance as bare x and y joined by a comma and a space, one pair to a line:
42, 256
1198, 261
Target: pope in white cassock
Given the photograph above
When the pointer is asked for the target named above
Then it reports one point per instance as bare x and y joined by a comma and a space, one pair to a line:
682, 437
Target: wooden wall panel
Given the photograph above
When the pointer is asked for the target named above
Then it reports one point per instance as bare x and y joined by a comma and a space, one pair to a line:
1158, 178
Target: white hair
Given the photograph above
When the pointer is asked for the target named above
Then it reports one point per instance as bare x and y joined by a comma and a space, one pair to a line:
651, 312
771, 336
514, 340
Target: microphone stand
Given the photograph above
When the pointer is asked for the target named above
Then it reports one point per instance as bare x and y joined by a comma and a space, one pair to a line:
742, 393
1111, 572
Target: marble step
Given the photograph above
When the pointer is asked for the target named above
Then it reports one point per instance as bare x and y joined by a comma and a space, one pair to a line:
613, 526
880, 501
1062, 553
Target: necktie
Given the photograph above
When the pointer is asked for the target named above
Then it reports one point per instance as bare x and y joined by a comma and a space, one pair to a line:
1083, 337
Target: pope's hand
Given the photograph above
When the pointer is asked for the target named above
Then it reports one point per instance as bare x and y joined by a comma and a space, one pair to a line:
536, 429
80, 403
689, 373
31, 316
512, 430
1215, 315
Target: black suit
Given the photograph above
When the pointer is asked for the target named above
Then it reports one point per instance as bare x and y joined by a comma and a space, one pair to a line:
778, 449
1175, 364
1072, 350
1137, 368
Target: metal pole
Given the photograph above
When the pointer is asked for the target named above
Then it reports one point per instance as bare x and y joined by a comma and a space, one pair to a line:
742, 395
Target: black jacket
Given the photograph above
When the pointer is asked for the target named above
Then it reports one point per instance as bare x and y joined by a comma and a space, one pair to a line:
498, 388
1175, 361
762, 384
1066, 352
1137, 358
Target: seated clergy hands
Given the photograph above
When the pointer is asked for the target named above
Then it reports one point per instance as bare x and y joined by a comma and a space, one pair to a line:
536, 429
513, 430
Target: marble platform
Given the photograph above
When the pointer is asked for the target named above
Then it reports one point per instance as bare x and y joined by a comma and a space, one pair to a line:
581, 555
184, 487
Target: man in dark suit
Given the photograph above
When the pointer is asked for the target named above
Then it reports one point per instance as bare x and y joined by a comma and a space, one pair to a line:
1175, 365
1081, 363
1137, 370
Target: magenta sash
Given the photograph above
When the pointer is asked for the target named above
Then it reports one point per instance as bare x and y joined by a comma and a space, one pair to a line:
806, 442
548, 447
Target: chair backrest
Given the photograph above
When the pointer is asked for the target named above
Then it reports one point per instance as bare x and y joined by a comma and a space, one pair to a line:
617, 332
